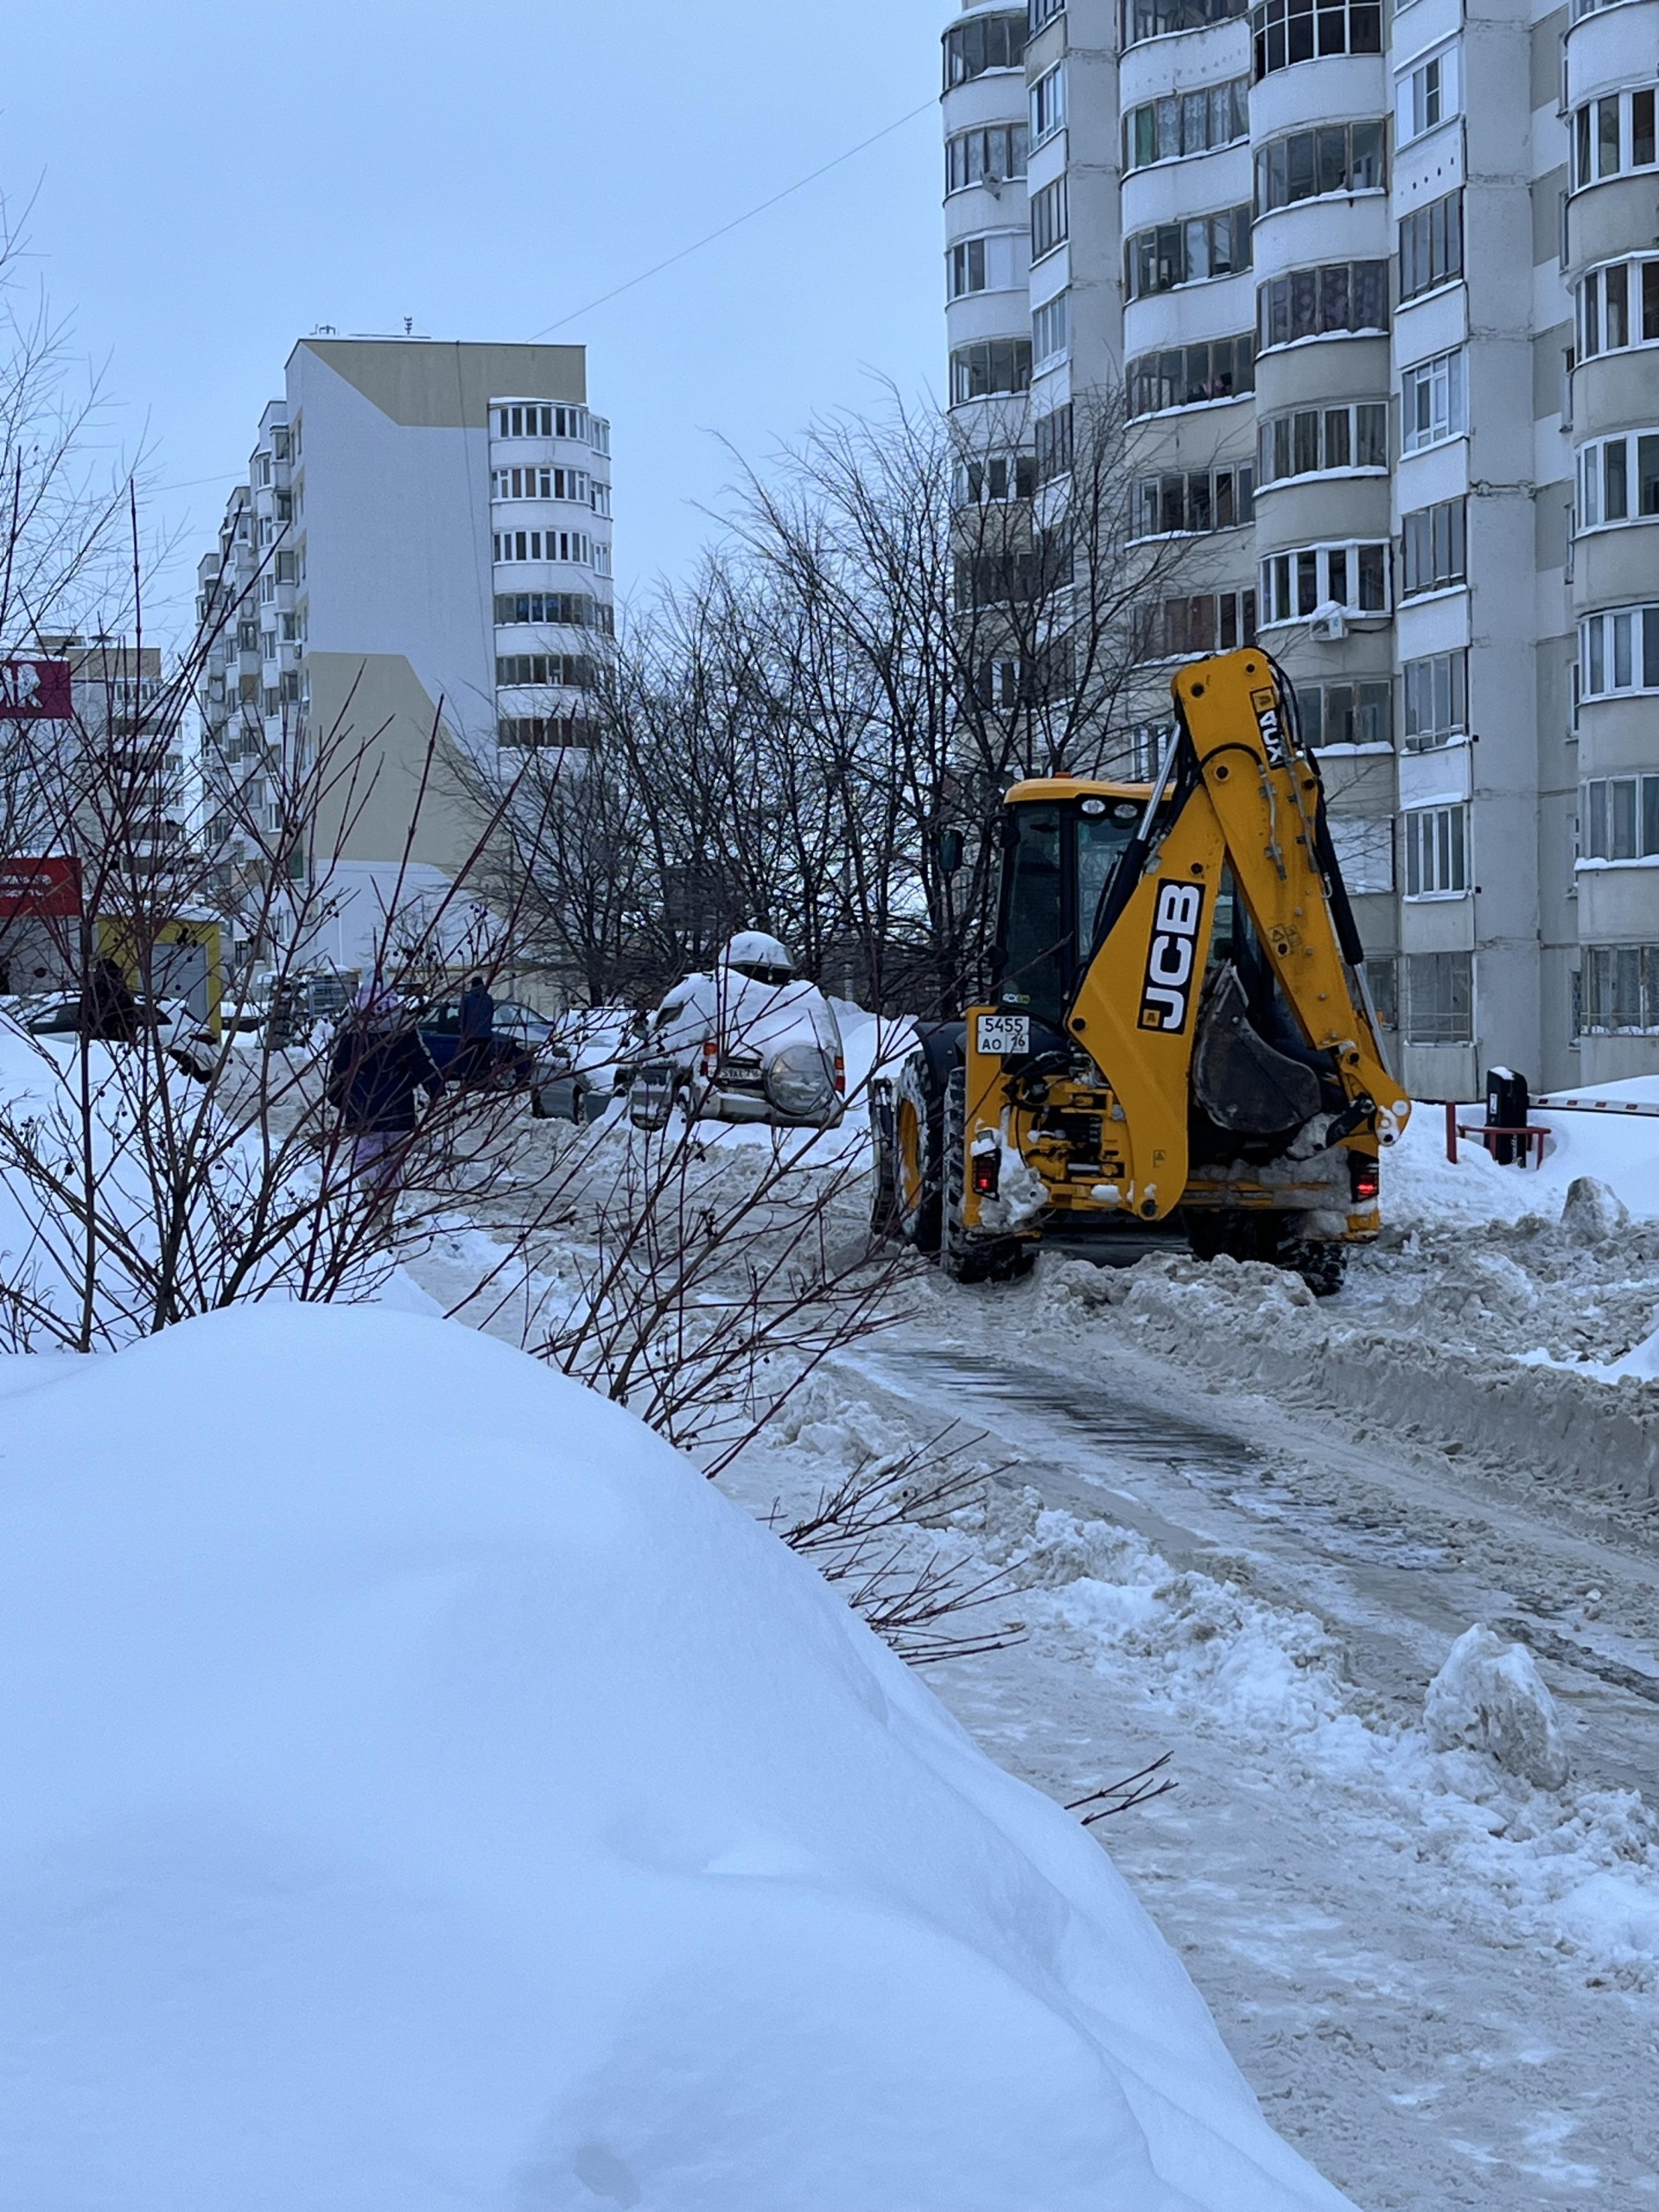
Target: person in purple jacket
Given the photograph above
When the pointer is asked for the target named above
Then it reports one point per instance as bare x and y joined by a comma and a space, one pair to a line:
378, 1064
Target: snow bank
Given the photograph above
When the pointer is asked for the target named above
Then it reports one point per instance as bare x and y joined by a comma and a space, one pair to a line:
1420, 1185
438, 1795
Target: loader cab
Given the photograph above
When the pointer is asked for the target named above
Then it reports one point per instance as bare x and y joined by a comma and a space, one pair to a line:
1062, 839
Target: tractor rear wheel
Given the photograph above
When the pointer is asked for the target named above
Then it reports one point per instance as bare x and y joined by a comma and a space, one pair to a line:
918, 1155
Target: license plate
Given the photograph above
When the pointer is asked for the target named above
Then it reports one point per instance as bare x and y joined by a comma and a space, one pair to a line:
1004, 1034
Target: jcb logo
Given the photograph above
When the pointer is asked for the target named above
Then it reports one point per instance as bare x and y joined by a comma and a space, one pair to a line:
1168, 992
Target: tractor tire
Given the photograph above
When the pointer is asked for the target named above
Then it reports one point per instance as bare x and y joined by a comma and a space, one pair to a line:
917, 1210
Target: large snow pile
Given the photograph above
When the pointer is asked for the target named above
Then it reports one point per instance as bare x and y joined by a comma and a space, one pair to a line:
422, 1789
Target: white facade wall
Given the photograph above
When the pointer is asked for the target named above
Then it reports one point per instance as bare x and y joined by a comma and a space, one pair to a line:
391, 570
1399, 356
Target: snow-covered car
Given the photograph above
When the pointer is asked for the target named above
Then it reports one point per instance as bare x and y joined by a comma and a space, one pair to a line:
188, 1043
752, 1042
589, 1056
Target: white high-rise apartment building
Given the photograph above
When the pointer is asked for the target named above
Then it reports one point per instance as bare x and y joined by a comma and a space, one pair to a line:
424, 541
1377, 287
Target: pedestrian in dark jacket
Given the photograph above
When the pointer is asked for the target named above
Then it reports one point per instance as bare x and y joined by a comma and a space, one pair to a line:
477, 1028
378, 1064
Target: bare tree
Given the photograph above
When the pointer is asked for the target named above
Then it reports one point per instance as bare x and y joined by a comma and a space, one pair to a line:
898, 623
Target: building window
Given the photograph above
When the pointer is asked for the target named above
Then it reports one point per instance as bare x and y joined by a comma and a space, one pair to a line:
573, 610
1338, 299
1048, 219
1192, 502
983, 42
988, 156
1618, 481
1205, 623
1618, 306
965, 267
1297, 584
1338, 157
1436, 698
1435, 553
1193, 376
530, 731
1157, 18
1052, 438
1618, 651
541, 484
1344, 714
1050, 330
1426, 95
1283, 32
288, 568
1618, 817
1613, 134
573, 546
1431, 246
1364, 849
989, 263
1188, 253
1048, 104
574, 423
1436, 840
1619, 989
1433, 404
1042, 11
1316, 440
1440, 998
995, 364
570, 668
995, 477
602, 498
1187, 123
1000, 477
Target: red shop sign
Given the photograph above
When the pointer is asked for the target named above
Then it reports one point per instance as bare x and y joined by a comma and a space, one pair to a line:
44, 888
34, 691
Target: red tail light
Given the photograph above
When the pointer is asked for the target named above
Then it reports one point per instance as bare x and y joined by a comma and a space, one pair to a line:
986, 1167
841, 1075
1365, 1177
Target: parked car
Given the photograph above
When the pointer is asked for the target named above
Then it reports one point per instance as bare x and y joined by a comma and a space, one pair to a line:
752, 1042
510, 1057
588, 1057
298, 1003
188, 1043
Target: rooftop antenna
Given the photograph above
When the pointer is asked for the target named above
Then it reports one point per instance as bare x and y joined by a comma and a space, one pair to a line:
409, 325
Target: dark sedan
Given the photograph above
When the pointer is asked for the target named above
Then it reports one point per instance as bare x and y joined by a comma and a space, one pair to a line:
505, 1060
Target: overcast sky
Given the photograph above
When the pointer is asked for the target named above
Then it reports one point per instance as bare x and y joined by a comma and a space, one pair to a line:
210, 182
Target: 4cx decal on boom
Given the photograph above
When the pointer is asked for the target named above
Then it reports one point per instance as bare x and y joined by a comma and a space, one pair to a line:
1166, 992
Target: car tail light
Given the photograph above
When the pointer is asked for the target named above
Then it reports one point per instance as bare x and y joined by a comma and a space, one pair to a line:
1364, 1177
841, 1075
986, 1167
710, 1057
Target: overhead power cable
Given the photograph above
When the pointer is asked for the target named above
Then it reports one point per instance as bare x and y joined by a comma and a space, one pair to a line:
737, 221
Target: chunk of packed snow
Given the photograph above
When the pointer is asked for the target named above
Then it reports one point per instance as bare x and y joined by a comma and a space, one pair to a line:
1489, 1696
1593, 1213
427, 1791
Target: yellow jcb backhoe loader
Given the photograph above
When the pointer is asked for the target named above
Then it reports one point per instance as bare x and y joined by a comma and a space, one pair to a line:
1180, 1043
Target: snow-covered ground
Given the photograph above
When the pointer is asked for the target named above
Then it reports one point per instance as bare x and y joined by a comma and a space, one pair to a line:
1380, 1574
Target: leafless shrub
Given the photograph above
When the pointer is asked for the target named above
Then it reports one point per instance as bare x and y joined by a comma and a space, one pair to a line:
861, 1535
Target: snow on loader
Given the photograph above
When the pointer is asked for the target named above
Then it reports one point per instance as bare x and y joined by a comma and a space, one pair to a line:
1181, 1044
